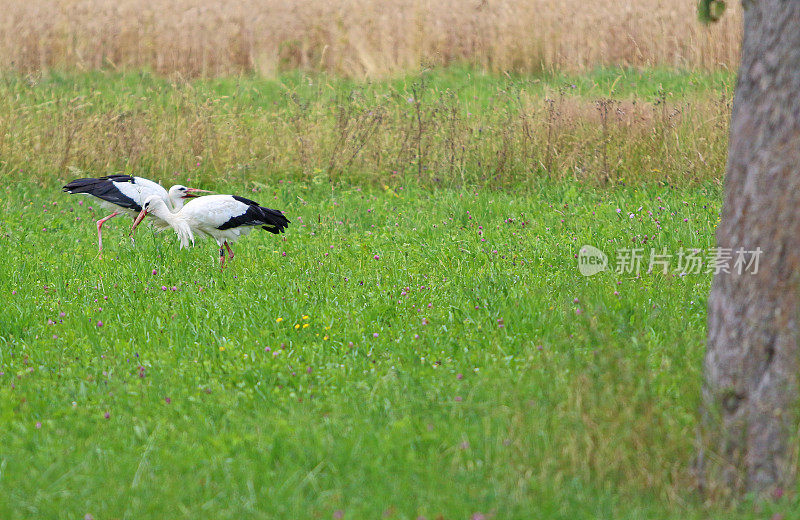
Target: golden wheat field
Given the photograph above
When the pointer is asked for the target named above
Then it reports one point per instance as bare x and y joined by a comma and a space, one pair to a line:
359, 38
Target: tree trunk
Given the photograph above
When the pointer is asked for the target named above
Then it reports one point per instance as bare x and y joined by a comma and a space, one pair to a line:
747, 438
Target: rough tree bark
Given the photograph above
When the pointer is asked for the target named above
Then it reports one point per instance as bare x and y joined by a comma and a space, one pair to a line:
751, 384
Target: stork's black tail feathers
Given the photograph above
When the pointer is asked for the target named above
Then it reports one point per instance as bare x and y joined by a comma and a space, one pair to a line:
276, 221
270, 220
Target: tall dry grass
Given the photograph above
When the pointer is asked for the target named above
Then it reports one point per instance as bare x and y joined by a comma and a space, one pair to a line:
376, 135
359, 37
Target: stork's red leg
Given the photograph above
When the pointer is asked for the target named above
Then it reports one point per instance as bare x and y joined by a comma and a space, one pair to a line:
230, 252
100, 230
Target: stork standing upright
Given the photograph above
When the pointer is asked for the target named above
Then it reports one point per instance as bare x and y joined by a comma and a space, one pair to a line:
124, 194
222, 217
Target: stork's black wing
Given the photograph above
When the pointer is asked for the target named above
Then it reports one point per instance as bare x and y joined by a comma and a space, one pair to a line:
104, 189
271, 220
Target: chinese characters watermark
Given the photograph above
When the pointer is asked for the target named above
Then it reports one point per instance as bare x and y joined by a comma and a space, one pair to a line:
633, 261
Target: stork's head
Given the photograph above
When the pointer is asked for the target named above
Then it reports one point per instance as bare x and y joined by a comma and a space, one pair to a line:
155, 205
180, 191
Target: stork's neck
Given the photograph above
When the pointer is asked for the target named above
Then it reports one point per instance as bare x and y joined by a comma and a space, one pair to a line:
176, 203
177, 222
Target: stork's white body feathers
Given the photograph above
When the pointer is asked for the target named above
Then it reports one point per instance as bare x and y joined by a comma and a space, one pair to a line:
205, 218
224, 218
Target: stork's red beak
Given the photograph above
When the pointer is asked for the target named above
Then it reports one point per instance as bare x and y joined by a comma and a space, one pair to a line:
139, 218
192, 192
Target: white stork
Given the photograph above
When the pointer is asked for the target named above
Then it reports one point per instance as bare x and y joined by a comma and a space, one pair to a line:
222, 217
124, 194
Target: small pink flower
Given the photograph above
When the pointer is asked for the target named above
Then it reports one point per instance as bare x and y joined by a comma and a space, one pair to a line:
99, 323
376, 257
38, 424
168, 400
155, 272
163, 287
374, 334
107, 415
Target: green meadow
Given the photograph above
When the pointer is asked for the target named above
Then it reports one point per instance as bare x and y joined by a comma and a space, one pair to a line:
420, 344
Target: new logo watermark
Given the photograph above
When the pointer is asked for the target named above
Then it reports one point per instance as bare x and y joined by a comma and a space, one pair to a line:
715, 260
591, 260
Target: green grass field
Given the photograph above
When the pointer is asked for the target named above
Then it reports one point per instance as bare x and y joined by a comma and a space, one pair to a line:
402, 352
